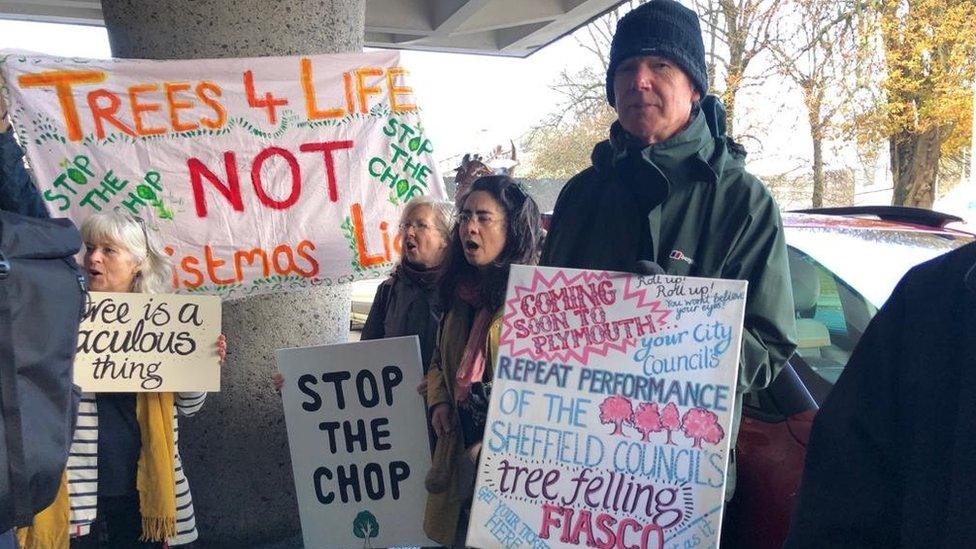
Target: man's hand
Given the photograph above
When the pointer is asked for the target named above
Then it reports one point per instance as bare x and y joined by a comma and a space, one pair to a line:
4, 121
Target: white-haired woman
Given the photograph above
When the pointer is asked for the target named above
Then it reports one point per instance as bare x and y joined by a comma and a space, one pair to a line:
124, 476
406, 303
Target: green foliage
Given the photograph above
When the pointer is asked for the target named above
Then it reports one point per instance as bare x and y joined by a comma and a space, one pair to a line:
560, 152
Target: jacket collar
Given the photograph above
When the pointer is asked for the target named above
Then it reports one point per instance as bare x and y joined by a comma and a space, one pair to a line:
683, 158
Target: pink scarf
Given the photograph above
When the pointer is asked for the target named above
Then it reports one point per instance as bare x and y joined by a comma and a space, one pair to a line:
472, 367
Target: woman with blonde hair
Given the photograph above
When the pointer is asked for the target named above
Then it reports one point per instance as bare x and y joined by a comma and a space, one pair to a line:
125, 485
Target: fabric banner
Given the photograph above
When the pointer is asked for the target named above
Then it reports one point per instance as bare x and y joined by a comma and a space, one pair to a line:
259, 175
357, 431
610, 411
134, 342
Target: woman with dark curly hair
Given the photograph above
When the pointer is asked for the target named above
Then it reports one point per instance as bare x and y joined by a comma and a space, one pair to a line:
498, 225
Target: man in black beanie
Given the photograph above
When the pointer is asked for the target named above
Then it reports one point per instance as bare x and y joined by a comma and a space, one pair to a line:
670, 187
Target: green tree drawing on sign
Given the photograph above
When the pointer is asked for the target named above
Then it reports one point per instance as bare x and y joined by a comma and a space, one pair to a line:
365, 527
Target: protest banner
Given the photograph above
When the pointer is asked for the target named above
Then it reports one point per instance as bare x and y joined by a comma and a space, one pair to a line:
260, 175
135, 342
610, 411
357, 431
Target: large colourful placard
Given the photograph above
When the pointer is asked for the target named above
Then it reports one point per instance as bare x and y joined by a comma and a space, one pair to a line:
610, 411
357, 430
259, 175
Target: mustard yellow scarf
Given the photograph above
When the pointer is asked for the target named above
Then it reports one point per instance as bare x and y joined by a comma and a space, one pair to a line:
155, 481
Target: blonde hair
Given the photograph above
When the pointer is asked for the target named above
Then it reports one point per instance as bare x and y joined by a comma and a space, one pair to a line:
443, 212
131, 233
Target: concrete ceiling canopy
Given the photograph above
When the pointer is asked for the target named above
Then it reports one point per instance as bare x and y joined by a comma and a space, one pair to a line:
512, 28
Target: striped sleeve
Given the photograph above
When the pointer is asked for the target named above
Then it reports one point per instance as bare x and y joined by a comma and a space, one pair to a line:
82, 466
189, 403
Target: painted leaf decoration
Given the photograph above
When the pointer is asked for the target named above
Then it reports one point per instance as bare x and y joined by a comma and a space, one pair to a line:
145, 192
77, 176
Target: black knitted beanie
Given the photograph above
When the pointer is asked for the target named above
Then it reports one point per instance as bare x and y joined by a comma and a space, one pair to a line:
664, 28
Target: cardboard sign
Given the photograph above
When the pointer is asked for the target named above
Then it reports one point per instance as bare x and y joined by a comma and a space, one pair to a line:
610, 411
357, 430
259, 175
133, 342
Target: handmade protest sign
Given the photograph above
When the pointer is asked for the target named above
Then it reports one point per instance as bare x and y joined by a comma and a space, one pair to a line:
134, 342
260, 175
610, 411
357, 430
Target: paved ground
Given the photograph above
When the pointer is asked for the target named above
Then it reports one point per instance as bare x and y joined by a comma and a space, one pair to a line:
293, 543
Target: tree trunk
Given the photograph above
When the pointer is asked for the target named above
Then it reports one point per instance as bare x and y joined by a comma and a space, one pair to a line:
818, 171
915, 167
729, 101
813, 95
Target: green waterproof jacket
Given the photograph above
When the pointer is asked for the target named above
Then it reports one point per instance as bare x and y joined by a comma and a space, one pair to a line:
689, 205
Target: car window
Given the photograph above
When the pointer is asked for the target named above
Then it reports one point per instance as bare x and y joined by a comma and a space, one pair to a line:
830, 315
840, 277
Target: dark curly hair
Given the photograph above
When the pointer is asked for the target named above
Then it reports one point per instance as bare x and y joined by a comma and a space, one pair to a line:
523, 236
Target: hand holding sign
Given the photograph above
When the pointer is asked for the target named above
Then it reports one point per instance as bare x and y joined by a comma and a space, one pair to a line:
440, 419
222, 348
4, 123
135, 342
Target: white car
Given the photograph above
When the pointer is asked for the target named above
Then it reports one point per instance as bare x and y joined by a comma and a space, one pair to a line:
363, 292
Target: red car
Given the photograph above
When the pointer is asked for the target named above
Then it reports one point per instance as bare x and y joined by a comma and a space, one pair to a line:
844, 263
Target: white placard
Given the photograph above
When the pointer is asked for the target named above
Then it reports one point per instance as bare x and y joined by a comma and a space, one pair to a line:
135, 342
359, 446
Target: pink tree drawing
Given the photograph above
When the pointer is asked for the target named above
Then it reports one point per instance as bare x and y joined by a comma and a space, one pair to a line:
714, 434
616, 409
647, 419
700, 424
670, 420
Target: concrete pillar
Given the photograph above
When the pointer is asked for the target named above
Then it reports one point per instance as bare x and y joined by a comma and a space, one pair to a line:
236, 451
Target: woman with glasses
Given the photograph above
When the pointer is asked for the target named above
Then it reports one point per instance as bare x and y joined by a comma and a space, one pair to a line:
498, 225
406, 303
124, 479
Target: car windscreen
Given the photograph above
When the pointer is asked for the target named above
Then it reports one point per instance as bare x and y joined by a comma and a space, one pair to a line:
871, 261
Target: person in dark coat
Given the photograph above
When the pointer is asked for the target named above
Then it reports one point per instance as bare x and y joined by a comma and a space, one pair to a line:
17, 195
17, 192
892, 454
406, 303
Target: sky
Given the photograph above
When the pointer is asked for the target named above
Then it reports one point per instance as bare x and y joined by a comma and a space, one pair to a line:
474, 102
501, 99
